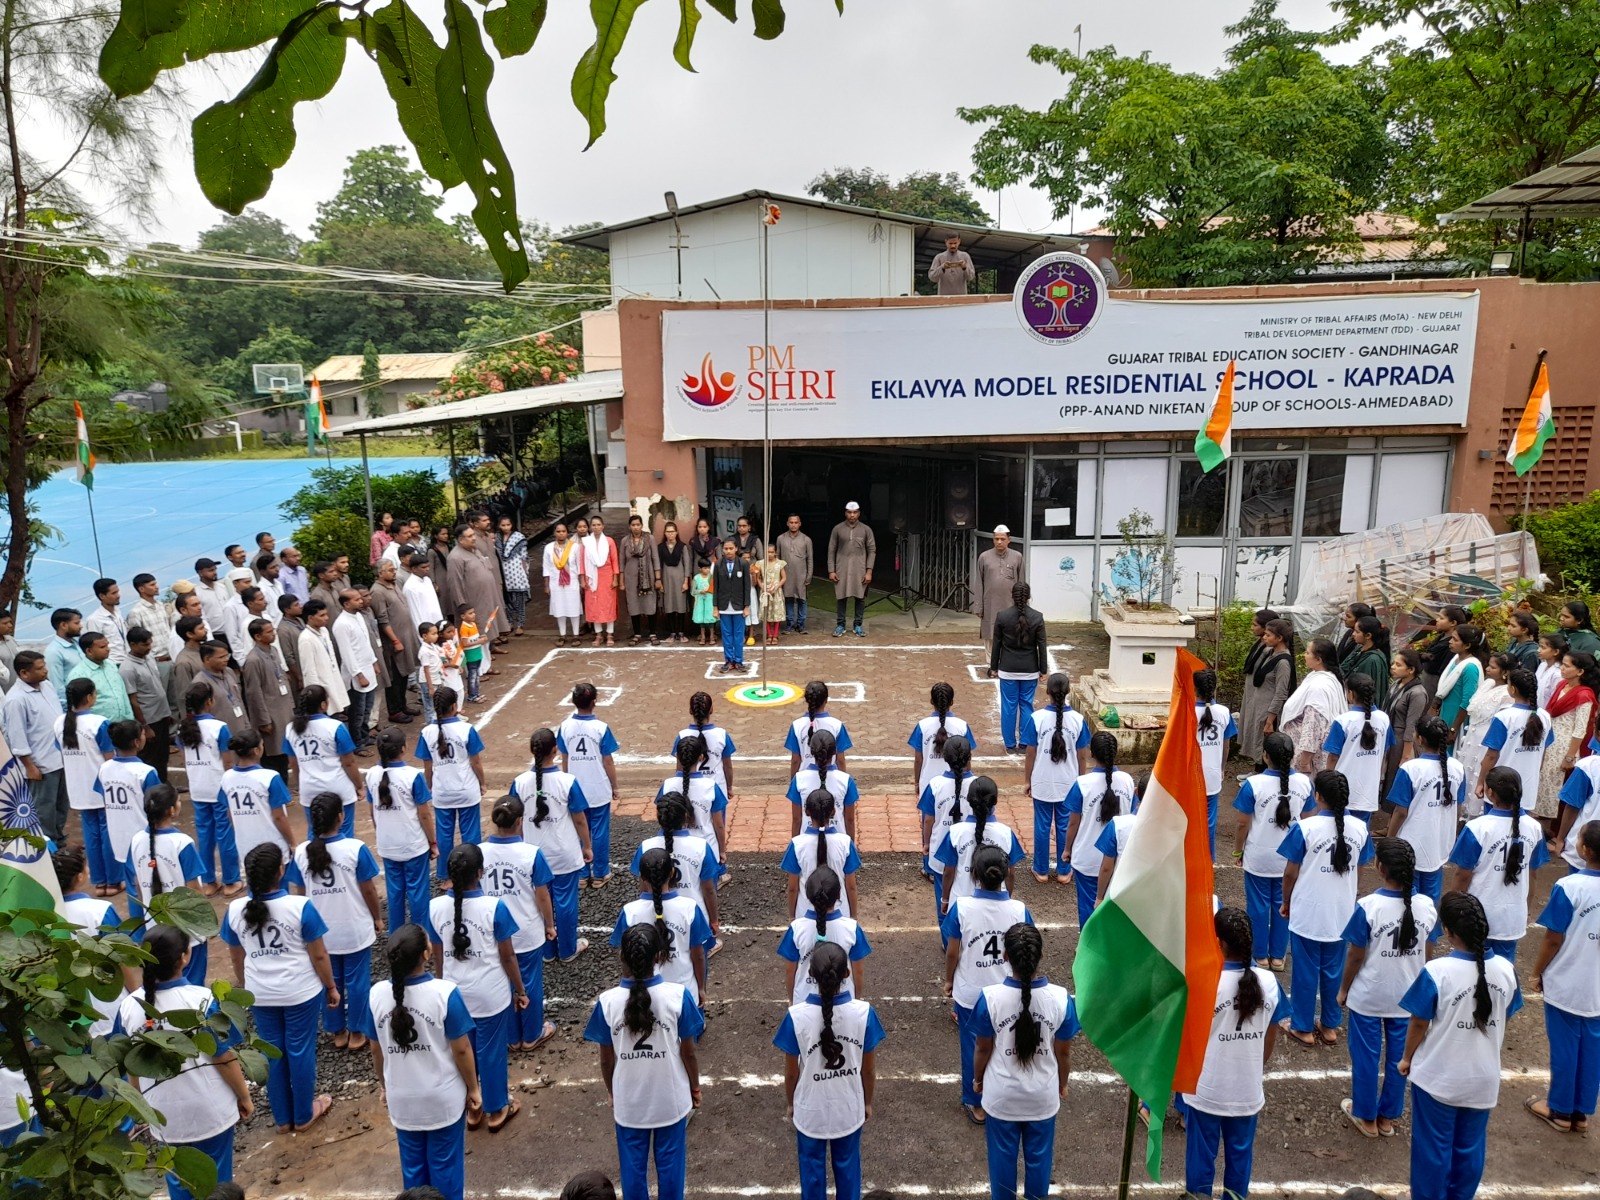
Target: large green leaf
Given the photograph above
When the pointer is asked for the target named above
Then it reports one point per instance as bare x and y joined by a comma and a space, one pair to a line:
137, 51
769, 18
146, 18
408, 59
186, 909
688, 18
592, 80
725, 7
515, 25
239, 143
465, 71
195, 1168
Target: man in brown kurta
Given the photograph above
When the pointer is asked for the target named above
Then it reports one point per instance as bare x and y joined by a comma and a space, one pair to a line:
998, 569
851, 552
483, 547
397, 634
268, 698
795, 548
471, 579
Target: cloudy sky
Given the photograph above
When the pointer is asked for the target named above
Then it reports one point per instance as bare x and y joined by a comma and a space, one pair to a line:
876, 87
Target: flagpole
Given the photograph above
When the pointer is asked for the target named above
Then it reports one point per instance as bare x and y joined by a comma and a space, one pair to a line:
95, 530
1128, 1128
766, 426
1527, 480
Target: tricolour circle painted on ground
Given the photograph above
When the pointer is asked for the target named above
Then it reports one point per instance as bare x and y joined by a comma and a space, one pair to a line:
770, 695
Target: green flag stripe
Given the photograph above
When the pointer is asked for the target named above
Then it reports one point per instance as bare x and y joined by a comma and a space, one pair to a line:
1210, 454
1525, 461
18, 890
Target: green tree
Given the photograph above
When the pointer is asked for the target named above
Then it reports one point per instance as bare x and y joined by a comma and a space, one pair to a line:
372, 380
441, 93
1251, 174
380, 186
565, 281
920, 194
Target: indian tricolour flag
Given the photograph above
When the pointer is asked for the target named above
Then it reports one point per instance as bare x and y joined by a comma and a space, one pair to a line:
85, 455
317, 411
1537, 426
1214, 443
1148, 959
27, 877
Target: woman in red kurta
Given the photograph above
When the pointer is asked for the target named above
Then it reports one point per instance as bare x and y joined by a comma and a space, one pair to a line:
599, 580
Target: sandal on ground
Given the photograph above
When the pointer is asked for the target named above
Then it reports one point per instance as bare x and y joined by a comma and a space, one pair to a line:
599, 881
1386, 1127
206, 889
1041, 878
1347, 1107
611, 639
1328, 1037
353, 1047
716, 948
1064, 880
233, 889
653, 640
583, 944
1276, 964
598, 640
510, 1111
1546, 1116
975, 1113
635, 640
474, 1122
1308, 1040
319, 1109
341, 1040
545, 1034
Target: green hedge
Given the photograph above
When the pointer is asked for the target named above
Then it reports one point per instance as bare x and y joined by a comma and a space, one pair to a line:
1568, 538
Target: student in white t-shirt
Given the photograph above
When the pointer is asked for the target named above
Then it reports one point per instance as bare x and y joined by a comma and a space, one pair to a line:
121, 784
974, 930
402, 824
420, 1033
830, 1041
85, 740
694, 858
820, 844
708, 803
1495, 858
646, 1029
1567, 971
929, 735
1360, 739
1459, 1007
1093, 800
716, 742
337, 872
1427, 793
517, 873
471, 935
821, 922
556, 820
449, 750
967, 836
802, 729
941, 805
206, 744
162, 857
1269, 804
1387, 938
325, 755
257, 799
1062, 735
1516, 738
275, 942
1025, 1027
430, 667
822, 774
95, 917
1215, 731
676, 917
205, 1101
1227, 1100
587, 748
1323, 853
1580, 804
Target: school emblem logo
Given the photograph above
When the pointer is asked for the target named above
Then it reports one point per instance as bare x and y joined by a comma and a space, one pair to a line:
1059, 297
710, 389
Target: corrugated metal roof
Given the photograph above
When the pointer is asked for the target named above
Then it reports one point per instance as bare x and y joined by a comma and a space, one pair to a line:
1569, 189
346, 368
595, 387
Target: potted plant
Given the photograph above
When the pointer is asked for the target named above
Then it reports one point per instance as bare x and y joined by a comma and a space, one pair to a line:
1143, 571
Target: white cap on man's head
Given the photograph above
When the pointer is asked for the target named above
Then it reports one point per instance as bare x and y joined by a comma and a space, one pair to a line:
1003, 529
238, 574
852, 507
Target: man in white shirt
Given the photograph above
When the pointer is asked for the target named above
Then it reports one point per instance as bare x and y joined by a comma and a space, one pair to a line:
8, 650
106, 619
214, 595
319, 663
250, 604
358, 662
420, 593
185, 603
150, 613
267, 569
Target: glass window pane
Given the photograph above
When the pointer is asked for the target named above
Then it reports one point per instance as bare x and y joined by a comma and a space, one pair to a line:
1000, 482
1202, 500
1410, 486
1063, 498
1266, 501
1261, 575
1063, 580
1338, 493
1276, 444
1134, 483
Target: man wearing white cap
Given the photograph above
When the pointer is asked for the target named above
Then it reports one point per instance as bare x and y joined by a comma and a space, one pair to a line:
851, 552
998, 569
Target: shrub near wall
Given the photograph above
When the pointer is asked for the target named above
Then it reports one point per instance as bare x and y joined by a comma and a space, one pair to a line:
1568, 538
329, 534
418, 494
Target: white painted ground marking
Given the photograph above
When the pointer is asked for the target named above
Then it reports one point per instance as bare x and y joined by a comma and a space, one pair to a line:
483, 720
1291, 1187
834, 696
979, 673
605, 697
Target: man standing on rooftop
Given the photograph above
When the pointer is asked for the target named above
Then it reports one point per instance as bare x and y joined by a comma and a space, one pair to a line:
952, 268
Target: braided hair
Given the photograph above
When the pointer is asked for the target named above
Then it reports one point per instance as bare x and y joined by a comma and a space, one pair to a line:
1505, 786
391, 746
822, 893
327, 811
80, 692
408, 946
1334, 791
1024, 948
1279, 751
1398, 863
673, 814
1021, 593
1526, 687
1433, 733
957, 758
820, 808
1363, 691
983, 795
655, 870
1237, 936
159, 802
1462, 914
691, 752
465, 867
444, 704
830, 967
1103, 749
1205, 694
309, 703
1057, 687
816, 695
941, 696
700, 715
541, 744
262, 868
166, 945
196, 700
642, 949
823, 748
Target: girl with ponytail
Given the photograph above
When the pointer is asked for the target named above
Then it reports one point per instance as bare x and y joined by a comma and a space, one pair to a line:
1063, 736
1517, 737
209, 1096
1427, 793
207, 747
1369, 657
1269, 804
977, 829
162, 857
941, 805
694, 859
802, 729
973, 930
471, 935
1214, 729
824, 775
1025, 1029
830, 1043
821, 844
275, 941
707, 801
516, 873
1359, 741
1387, 943
1495, 858
1567, 972
325, 754
85, 739
450, 753
95, 917
677, 920
646, 1029
421, 1038
822, 921
340, 875
1459, 1007
716, 743
588, 748
930, 735
403, 822
1319, 898
556, 821
1092, 802
1228, 1097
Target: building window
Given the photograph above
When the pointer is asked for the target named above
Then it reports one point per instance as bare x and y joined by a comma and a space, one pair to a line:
1338, 495
1410, 486
1266, 500
1000, 495
1134, 483
1202, 501
1063, 498
1562, 471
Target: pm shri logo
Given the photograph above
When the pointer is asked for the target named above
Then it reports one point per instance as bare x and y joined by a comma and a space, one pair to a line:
711, 388
1059, 297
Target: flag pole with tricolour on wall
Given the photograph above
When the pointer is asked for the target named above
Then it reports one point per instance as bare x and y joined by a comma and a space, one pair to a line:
1214, 443
1538, 424
316, 416
1148, 959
